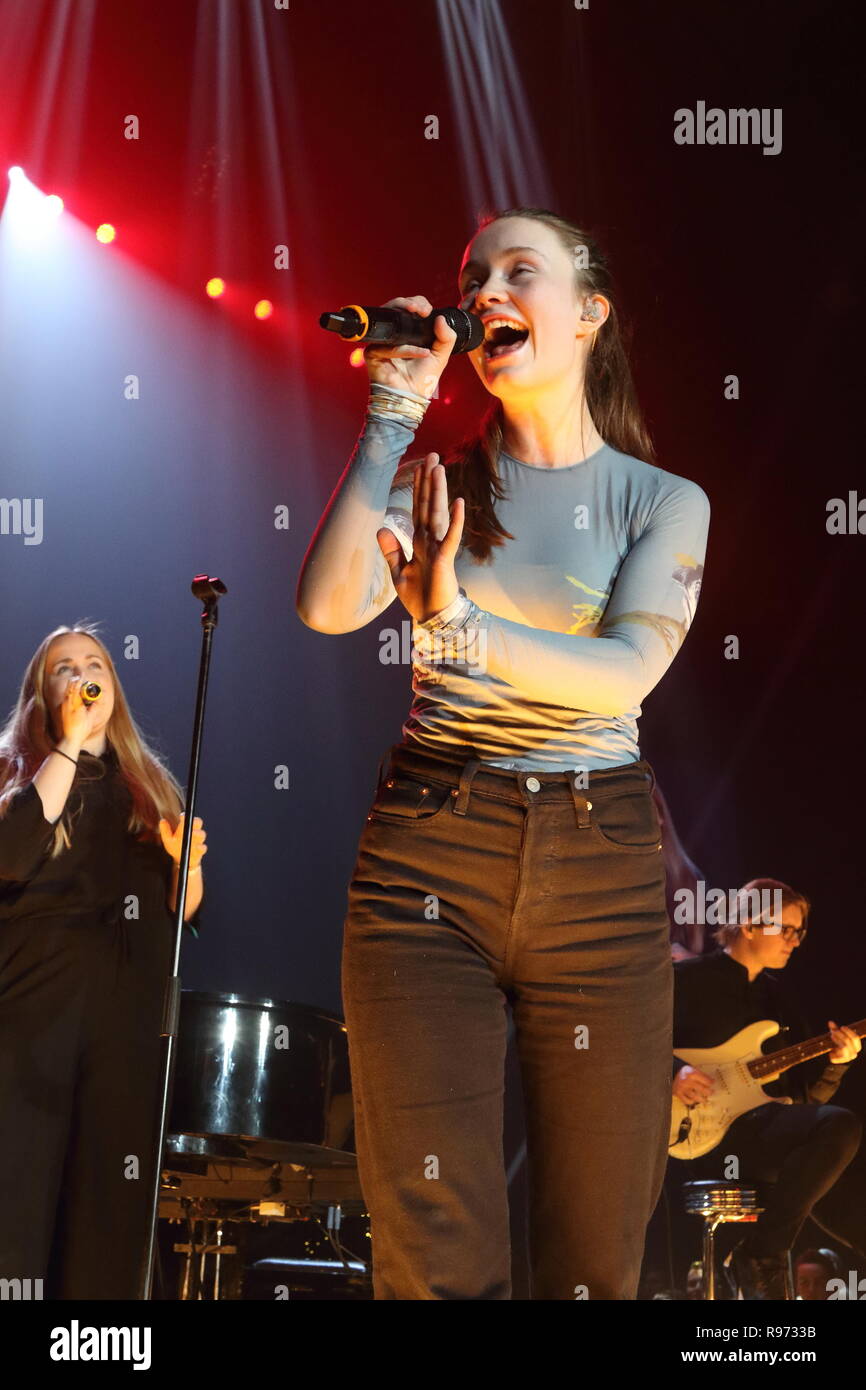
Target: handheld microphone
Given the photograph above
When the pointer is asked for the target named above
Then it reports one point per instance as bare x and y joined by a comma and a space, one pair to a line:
357, 323
90, 692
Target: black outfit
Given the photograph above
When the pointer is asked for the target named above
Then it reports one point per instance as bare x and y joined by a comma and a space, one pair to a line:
801, 1148
81, 987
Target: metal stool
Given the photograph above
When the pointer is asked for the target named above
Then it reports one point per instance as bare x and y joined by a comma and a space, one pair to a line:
718, 1201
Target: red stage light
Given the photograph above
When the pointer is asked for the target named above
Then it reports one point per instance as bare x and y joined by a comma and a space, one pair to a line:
105, 233
263, 309
215, 287
356, 357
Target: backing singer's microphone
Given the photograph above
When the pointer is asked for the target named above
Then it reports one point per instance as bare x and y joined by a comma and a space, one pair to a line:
90, 691
358, 323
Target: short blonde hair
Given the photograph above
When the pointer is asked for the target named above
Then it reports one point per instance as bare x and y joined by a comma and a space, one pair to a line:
745, 914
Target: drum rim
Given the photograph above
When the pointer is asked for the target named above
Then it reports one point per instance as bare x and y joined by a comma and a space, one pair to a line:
235, 1000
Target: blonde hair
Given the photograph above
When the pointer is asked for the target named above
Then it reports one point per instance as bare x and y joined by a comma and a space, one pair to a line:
26, 739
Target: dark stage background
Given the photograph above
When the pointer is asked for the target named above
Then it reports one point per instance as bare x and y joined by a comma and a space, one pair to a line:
306, 128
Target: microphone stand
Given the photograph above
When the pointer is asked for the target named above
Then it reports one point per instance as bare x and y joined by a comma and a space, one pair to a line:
209, 590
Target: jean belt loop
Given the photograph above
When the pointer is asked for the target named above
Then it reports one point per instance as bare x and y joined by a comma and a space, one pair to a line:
582, 802
461, 801
651, 778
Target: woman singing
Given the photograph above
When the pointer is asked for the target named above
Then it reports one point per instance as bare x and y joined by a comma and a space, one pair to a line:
90, 838
512, 851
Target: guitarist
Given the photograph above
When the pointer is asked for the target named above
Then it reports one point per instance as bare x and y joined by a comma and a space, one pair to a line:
803, 1147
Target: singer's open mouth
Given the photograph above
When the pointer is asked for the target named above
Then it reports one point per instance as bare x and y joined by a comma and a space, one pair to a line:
503, 340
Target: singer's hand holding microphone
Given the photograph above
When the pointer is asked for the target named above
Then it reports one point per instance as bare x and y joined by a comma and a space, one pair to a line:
406, 366
427, 583
78, 715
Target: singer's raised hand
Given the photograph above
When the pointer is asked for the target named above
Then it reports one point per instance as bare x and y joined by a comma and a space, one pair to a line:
407, 367
427, 583
173, 839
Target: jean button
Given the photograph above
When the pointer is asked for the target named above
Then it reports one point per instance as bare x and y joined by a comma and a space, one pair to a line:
533, 784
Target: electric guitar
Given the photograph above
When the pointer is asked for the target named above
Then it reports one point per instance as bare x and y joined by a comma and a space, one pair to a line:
739, 1069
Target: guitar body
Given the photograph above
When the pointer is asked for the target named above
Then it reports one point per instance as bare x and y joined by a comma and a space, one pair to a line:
695, 1129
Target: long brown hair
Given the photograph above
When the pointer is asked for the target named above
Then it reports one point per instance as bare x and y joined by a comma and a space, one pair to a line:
26, 739
610, 395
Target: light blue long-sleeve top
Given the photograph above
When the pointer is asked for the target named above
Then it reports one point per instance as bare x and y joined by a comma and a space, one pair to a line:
545, 657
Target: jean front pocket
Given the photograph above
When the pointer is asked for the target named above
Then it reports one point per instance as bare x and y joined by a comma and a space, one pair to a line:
628, 822
403, 800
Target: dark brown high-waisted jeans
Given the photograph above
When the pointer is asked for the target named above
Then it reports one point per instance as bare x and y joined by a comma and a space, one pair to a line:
475, 887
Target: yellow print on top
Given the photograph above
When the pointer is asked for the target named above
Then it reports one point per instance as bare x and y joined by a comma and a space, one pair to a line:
586, 614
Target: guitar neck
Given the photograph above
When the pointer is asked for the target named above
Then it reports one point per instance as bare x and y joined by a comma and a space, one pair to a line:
773, 1062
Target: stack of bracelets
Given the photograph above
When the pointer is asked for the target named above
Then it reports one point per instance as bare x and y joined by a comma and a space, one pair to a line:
391, 403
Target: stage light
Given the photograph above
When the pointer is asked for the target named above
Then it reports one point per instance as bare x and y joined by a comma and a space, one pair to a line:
105, 233
490, 100
215, 287
263, 309
356, 357
29, 214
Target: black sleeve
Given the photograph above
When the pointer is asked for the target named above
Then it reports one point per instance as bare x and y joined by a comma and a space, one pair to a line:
25, 835
814, 1082
193, 926
689, 1002
822, 1078
684, 1008
828, 1083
